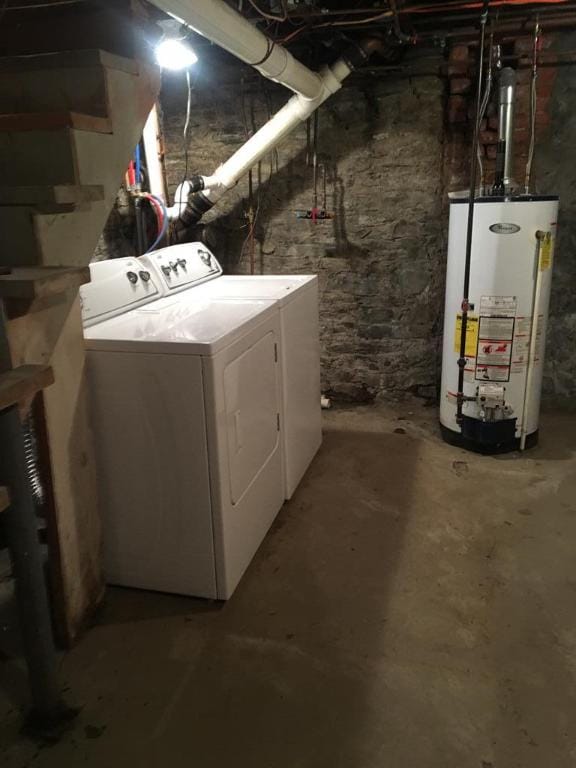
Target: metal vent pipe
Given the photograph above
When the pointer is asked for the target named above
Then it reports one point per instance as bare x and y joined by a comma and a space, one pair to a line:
506, 94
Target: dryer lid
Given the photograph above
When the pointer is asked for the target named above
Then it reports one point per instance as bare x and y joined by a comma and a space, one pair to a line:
282, 288
172, 326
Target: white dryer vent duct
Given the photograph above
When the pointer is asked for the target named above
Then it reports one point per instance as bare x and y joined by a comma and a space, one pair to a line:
218, 22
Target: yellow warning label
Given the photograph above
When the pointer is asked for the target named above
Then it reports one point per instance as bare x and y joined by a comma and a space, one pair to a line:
546, 249
471, 334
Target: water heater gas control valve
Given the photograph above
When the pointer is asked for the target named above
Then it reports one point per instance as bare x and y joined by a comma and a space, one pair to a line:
491, 399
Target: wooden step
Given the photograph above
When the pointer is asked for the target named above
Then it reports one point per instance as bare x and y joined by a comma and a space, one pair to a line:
72, 81
4, 498
59, 198
53, 121
30, 283
67, 60
23, 382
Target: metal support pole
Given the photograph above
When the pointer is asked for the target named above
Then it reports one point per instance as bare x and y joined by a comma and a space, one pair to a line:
22, 534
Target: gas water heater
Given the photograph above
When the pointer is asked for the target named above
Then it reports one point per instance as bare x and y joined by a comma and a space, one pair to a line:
498, 286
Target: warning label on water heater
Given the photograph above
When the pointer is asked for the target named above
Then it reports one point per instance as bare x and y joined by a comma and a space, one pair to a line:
494, 355
498, 306
471, 334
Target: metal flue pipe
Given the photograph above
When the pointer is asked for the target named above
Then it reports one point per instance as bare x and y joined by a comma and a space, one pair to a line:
506, 94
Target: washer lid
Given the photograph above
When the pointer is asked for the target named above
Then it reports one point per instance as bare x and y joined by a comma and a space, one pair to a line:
173, 326
116, 286
281, 288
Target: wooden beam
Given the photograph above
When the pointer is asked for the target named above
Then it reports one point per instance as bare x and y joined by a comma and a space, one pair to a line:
23, 382
52, 198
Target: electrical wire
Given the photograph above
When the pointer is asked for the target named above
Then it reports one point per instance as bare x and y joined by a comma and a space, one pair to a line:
483, 106
187, 123
415, 9
182, 208
533, 96
270, 16
378, 17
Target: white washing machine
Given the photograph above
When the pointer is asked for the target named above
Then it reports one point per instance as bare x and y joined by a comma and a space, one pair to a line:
187, 406
192, 264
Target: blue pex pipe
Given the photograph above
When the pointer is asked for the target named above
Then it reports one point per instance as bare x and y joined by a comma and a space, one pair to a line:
137, 173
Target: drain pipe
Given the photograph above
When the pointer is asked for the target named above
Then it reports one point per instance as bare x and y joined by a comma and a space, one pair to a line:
221, 24
205, 191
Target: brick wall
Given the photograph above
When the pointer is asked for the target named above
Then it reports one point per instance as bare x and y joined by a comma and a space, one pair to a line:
462, 75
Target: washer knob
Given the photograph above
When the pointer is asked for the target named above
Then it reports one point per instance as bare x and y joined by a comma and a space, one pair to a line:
132, 276
206, 257
144, 275
167, 271
181, 263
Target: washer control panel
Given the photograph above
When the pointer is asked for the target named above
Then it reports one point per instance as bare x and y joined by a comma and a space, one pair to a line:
182, 266
116, 285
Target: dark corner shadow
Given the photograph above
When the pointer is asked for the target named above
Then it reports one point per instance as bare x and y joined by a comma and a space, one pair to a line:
123, 605
13, 674
556, 439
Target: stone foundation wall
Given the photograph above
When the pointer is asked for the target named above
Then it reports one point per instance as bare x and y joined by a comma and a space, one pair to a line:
391, 146
380, 257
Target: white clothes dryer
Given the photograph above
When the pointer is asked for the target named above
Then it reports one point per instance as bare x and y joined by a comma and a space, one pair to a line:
192, 271
187, 418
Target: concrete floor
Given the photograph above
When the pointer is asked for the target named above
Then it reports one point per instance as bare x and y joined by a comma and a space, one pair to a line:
413, 607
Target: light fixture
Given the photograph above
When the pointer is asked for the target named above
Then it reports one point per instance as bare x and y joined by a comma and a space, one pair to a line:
174, 54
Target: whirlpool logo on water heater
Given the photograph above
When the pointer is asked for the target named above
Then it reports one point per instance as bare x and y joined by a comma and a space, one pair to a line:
503, 228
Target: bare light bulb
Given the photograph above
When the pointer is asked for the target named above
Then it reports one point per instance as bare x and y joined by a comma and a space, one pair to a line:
174, 54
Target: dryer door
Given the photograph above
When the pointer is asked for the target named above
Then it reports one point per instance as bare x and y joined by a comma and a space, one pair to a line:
252, 413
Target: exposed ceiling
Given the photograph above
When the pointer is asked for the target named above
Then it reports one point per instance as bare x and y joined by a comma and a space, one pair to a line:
410, 21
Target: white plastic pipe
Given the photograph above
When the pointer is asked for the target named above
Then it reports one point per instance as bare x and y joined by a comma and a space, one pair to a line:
151, 141
534, 328
272, 133
230, 30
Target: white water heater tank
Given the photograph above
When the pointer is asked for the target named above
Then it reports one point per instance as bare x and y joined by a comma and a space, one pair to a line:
509, 294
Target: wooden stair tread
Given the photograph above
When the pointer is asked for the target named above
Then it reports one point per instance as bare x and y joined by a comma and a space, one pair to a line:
23, 382
4, 498
90, 57
40, 282
50, 121
48, 197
